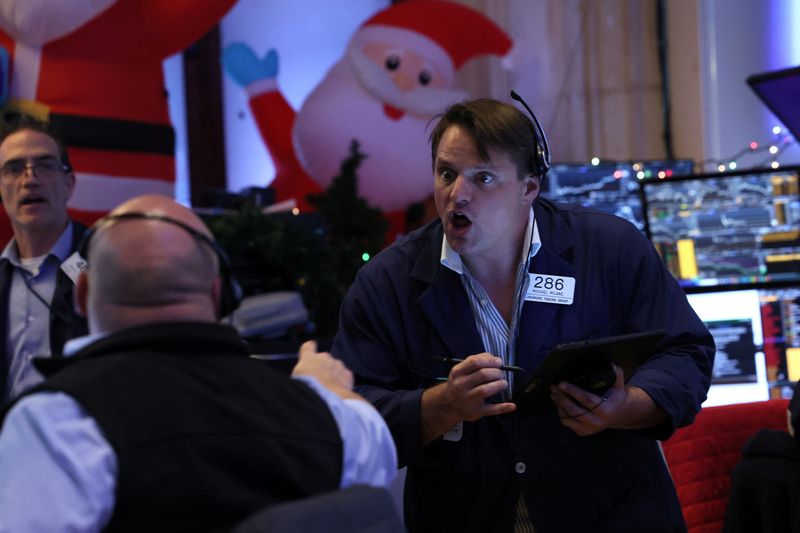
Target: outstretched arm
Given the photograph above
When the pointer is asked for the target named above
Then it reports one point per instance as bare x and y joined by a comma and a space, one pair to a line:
57, 471
273, 116
370, 455
328, 371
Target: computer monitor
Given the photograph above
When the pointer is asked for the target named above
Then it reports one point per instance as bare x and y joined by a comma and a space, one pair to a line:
731, 229
734, 320
779, 90
757, 332
780, 318
661, 169
611, 187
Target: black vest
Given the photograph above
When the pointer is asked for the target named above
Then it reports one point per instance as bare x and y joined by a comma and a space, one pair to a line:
204, 435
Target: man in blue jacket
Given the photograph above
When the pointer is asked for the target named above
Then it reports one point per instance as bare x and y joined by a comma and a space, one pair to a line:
477, 284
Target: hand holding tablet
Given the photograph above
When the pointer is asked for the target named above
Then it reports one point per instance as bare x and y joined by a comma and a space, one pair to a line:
586, 364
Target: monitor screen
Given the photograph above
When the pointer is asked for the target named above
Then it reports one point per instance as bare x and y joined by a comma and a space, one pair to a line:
734, 320
779, 90
736, 351
780, 318
658, 169
611, 187
757, 333
738, 228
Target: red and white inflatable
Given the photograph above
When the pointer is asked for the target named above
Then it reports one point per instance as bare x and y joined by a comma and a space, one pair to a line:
94, 69
397, 73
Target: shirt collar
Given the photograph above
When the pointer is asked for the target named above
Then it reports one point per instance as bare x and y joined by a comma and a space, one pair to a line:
75, 345
60, 249
530, 246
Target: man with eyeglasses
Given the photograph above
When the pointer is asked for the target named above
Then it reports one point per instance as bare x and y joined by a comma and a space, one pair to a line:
37, 267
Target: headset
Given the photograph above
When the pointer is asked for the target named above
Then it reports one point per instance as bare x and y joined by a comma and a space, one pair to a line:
541, 159
231, 291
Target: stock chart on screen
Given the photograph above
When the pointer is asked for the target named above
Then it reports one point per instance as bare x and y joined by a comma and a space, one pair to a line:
780, 319
611, 187
757, 334
733, 229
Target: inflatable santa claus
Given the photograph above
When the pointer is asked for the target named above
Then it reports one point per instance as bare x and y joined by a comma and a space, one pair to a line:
93, 68
397, 73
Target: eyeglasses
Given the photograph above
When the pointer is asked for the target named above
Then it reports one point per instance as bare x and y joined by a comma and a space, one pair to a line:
48, 167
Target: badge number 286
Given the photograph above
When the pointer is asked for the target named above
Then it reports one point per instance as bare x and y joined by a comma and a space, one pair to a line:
550, 289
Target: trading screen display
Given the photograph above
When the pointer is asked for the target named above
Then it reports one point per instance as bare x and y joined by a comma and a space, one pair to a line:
727, 229
734, 361
748, 325
734, 320
780, 319
609, 187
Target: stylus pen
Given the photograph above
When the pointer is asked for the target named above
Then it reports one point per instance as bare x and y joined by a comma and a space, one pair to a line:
507, 368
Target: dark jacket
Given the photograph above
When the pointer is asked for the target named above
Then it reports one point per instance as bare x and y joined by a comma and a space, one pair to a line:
765, 486
204, 435
405, 309
65, 323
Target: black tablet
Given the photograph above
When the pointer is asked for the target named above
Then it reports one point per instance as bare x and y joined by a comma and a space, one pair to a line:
586, 364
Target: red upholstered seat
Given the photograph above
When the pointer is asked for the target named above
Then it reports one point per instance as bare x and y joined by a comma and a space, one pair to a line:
701, 457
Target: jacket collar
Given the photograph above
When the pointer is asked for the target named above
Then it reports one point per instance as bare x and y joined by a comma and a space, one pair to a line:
554, 231
173, 338
445, 303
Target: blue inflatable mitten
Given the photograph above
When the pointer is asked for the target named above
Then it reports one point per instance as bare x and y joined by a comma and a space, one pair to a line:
244, 66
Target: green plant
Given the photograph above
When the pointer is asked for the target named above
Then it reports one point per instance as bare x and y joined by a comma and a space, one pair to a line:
272, 252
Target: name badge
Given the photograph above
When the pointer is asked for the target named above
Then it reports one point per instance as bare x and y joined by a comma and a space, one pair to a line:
550, 289
74, 265
454, 433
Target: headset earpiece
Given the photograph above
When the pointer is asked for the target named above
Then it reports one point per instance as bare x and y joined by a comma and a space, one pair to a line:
231, 292
541, 158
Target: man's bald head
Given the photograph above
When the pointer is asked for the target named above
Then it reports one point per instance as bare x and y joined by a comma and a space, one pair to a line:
145, 270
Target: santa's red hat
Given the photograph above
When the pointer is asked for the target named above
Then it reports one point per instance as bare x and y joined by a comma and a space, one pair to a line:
447, 33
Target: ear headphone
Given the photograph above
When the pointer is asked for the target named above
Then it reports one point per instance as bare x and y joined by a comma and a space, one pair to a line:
231, 291
541, 159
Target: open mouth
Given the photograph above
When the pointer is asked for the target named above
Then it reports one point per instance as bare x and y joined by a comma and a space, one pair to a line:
32, 200
460, 221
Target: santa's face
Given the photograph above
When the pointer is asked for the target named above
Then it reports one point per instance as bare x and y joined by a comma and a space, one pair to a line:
407, 71
383, 97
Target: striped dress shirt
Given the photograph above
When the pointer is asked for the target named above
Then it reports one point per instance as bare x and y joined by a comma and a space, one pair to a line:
500, 338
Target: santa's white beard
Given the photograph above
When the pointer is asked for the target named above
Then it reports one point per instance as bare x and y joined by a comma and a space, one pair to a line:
397, 170
36, 22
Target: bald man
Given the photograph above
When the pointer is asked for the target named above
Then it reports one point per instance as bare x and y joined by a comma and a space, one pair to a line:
160, 421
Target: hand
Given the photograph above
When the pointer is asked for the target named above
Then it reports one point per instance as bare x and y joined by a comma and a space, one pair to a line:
463, 396
586, 413
471, 382
244, 66
330, 372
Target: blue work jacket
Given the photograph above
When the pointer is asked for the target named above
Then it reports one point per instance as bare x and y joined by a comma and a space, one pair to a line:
405, 310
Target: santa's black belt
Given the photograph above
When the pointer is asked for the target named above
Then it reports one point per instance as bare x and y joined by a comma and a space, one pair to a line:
113, 134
